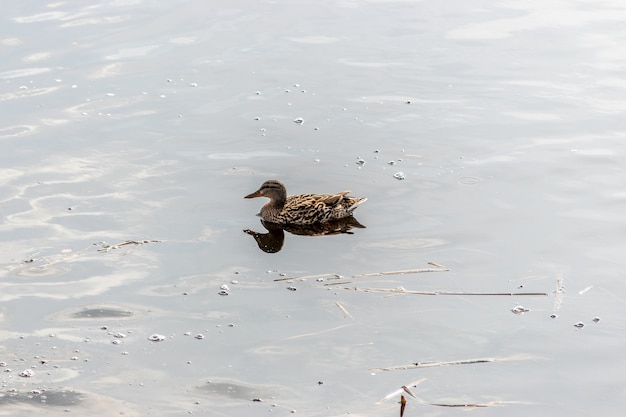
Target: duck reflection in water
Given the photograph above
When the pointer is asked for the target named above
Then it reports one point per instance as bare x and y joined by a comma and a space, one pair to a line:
302, 214
273, 240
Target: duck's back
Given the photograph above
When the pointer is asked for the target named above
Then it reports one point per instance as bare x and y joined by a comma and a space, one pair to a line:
308, 209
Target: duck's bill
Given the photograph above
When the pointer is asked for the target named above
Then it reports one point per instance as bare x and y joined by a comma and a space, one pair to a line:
254, 194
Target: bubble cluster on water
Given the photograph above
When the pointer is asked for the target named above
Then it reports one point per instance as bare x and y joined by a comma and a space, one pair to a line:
399, 175
519, 310
224, 290
157, 338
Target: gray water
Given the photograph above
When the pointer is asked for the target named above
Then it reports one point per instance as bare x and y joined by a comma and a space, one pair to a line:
147, 123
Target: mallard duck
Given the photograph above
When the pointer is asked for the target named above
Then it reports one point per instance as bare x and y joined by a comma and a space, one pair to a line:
303, 209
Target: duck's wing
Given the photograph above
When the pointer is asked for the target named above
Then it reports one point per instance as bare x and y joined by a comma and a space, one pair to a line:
310, 208
316, 208
330, 200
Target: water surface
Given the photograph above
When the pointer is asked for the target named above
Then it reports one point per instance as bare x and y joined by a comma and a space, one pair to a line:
132, 130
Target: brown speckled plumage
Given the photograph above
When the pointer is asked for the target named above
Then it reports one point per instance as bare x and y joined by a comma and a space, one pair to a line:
303, 209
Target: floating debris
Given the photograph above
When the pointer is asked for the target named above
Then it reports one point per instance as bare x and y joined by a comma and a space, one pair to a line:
553, 316
105, 247
224, 290
157, 338
119, 335
298, 120
291, 288
401, 272
519, 310
360, 161
416, 365
27, 373
343, 310
199, 336
399, 175
579, 325
596, 319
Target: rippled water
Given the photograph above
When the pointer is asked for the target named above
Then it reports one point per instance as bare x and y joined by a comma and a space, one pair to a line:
132, 130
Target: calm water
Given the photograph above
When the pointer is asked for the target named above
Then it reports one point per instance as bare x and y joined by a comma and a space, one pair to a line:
149, 122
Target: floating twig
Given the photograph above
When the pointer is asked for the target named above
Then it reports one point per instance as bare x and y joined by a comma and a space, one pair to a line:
439, 268
344, 310
402, 272
303, 277
404, 388
317, 333
416, 365
464, 405
408, 391
433, 364
391, 290
441, 292
480, 405
402, 405
106, 248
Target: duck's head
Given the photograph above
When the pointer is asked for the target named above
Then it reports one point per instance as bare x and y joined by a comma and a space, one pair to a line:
272, 189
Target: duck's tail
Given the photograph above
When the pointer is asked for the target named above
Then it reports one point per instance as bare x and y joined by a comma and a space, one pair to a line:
356, 201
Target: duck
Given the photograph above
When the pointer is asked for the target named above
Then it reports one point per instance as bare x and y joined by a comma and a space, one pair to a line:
303, 209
